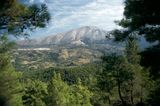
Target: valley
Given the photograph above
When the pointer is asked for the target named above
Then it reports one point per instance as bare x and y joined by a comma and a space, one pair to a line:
77, 47
64, 57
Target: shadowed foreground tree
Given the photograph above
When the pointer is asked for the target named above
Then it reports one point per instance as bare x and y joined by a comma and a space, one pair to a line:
142, 17
10, 89
125, 75
141, 84
116, 75
155, 95
15, 19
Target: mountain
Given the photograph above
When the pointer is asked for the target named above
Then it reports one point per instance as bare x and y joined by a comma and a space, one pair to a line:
83, 36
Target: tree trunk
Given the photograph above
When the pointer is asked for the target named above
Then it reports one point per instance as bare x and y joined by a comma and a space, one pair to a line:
109, 101
141, 97
132, 101
120, 95
132, 97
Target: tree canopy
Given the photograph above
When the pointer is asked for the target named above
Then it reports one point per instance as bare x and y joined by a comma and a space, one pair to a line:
142, 17
17, 18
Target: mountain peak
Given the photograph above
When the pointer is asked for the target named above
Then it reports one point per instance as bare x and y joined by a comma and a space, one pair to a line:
86, 34
80, 36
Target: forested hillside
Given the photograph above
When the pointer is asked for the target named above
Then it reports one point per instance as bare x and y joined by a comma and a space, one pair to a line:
48, 78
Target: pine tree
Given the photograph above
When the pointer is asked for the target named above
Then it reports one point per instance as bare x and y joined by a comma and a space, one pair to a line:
80, 95
34, 93
116, 74
62, 94
132, 51
15, 17
10, 89
142, 17
141, 83
58, 92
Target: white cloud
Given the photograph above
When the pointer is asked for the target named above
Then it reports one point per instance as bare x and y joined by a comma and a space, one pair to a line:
67, 15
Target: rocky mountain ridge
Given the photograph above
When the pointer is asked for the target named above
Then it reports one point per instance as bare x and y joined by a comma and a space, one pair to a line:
81, 37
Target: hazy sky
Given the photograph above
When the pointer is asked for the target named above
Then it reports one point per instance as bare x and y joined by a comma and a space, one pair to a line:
71, 14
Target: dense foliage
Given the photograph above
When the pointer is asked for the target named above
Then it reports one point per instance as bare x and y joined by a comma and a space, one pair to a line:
142, 18
10, 89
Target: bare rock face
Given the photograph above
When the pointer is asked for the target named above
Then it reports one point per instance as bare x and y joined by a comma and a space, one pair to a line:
81, 36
